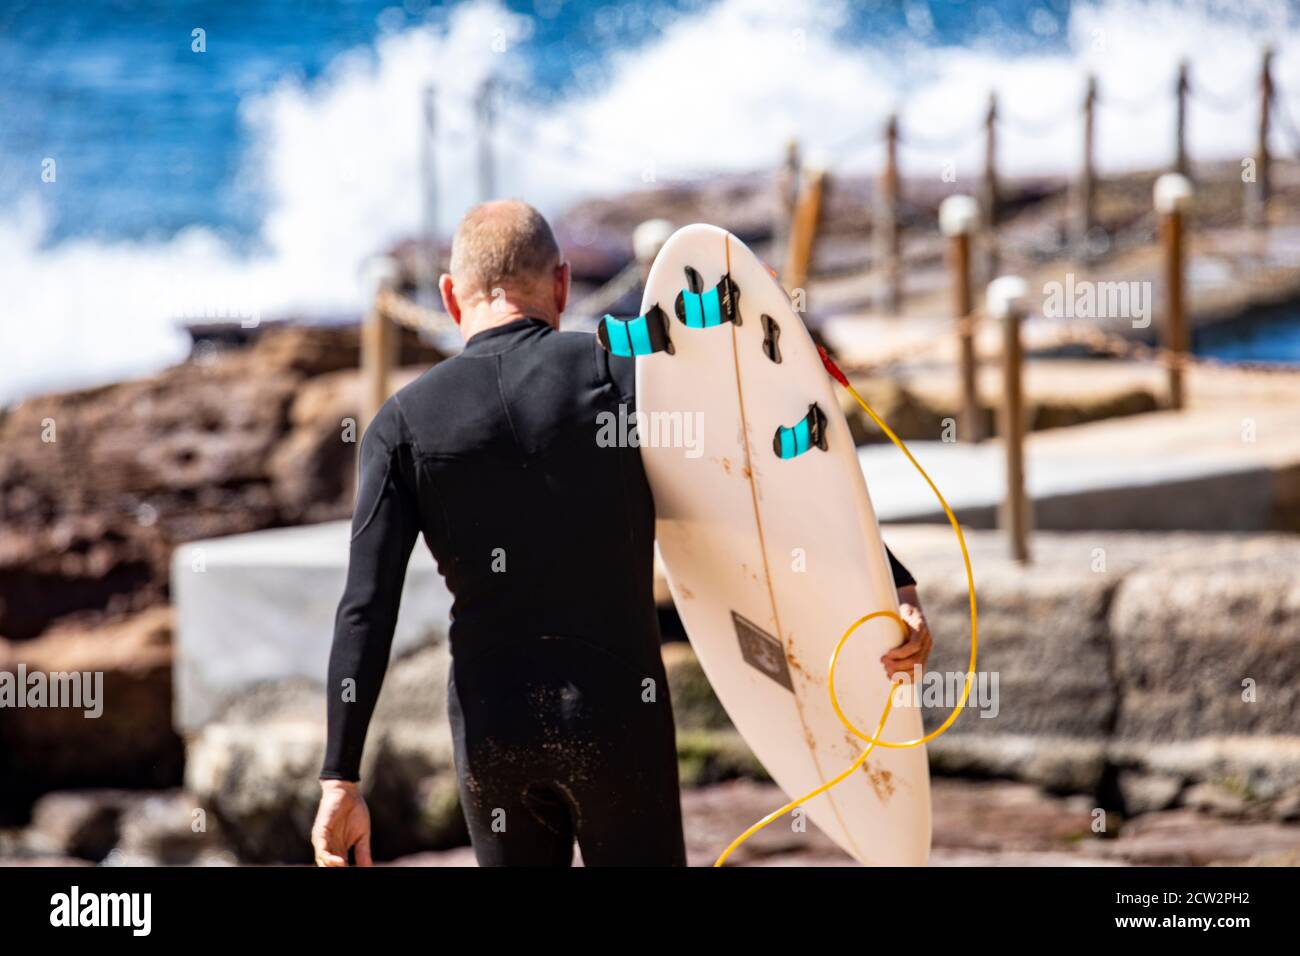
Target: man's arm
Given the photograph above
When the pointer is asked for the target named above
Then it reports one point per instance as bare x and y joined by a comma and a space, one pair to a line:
385, 525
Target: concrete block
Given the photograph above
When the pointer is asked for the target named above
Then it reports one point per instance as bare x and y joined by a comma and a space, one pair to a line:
260, 607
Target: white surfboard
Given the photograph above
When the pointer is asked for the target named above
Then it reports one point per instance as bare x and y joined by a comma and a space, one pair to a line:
769, 558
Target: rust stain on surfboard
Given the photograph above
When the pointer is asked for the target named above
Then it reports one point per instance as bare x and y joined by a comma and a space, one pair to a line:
882, 781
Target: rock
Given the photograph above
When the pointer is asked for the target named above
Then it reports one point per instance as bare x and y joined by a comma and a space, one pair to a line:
460, 856
997, 815
1187, 838
97, 486
1057, 764
1044, 655
260, 783
1208, 643
1062, 414
1263, 770
256, 767
130, 744
1145, 792
1220, 799
745, 205
170, 829
1287, 807
80, 823
311, 468
909, 416
716, 815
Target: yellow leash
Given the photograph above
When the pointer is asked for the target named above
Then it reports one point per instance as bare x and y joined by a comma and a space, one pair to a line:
874, 739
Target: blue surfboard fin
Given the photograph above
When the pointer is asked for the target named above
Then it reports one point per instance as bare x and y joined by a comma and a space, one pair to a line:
703, 310
809, 432
644, 335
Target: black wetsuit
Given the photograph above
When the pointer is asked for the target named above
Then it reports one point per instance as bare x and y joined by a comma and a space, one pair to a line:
557, 695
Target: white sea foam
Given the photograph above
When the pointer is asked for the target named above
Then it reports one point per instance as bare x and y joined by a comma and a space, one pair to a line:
718, 88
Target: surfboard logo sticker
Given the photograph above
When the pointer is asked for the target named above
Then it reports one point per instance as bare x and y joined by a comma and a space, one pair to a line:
762, 651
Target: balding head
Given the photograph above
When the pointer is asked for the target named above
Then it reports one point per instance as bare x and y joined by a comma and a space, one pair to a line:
504, 244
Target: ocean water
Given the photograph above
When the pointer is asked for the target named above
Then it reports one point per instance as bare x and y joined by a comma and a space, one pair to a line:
144, 183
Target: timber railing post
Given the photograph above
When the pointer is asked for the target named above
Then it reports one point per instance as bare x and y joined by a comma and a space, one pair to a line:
958, 219
889, 233
787, 195
1085, 198
1257, 214
379, 339
1007, 297
1181, 164
989, 191
803, 236
1173, 194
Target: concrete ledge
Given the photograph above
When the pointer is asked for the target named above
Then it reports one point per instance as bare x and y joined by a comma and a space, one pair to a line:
252, 608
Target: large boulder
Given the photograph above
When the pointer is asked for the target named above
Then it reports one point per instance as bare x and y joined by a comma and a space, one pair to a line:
256, 767
97, 486
129, 744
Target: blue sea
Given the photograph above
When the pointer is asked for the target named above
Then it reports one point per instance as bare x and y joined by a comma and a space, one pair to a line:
162, 162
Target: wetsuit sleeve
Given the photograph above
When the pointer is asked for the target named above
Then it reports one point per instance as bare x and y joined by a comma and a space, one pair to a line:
902, 577
621, 371
385, 525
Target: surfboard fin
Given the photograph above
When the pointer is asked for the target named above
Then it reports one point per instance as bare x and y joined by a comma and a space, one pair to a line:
771, 338
704, 310
644, 335
809, 432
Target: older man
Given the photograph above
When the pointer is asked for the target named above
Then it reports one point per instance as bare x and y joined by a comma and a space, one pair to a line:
545, 538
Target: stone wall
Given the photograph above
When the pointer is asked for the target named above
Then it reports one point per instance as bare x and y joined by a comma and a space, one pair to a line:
1125, 661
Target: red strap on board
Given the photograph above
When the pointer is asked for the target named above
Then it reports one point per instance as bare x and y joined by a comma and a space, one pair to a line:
832, 367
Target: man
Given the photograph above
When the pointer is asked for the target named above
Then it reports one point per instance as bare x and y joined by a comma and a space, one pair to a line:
545, 539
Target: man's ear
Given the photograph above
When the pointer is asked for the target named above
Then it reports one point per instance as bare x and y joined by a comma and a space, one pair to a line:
561, 287
449, 300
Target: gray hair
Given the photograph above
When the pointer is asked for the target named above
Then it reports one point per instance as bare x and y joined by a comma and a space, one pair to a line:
503, 243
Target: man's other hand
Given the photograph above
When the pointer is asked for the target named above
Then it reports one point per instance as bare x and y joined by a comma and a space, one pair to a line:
342, 822
915, 651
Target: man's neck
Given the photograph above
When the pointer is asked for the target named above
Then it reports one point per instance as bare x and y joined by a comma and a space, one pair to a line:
491, 315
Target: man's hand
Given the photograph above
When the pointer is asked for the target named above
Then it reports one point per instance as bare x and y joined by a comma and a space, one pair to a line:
915, 651
342, 822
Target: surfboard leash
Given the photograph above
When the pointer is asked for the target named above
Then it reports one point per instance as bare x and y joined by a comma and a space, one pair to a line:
900, 681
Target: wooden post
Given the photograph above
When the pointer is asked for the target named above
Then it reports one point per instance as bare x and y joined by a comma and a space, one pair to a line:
959, 217
379, 340
1087, 185
787, 195
1180, 129
1173, 194
429, 177
1258, 207
803, 235
889, 234
1006, 299
487, 187
989, 191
